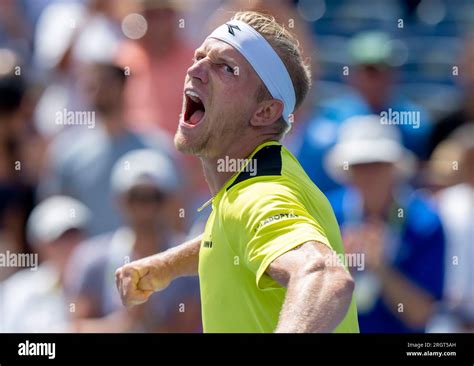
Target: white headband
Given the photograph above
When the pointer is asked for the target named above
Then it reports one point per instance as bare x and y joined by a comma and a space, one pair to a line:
264, 60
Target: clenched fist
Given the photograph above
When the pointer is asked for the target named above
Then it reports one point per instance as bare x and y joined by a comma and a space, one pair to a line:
136, 281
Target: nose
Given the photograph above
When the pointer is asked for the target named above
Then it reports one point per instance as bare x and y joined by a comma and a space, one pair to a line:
199, 70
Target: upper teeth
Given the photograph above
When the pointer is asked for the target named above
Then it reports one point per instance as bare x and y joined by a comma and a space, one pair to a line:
194, 96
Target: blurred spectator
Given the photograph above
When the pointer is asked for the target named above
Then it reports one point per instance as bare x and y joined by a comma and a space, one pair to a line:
157, 63
456, 206
143, 181
373, 82
465, 113
34, 298
410, 7
16, 194
196, 15
440, 171
15, 32
82, 157
397, 232
68, 35
156, 58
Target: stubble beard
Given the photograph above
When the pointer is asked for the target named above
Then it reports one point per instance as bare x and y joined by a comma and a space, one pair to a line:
195, 147
214, 140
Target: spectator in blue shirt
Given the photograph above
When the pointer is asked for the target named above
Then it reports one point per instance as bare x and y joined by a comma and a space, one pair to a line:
371, 78
396, 232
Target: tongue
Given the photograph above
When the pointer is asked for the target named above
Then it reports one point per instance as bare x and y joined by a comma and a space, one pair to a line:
196, 117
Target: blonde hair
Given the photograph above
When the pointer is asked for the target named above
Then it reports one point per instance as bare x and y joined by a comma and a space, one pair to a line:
288, 49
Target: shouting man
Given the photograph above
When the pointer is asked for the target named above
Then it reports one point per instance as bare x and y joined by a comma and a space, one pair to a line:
269, 258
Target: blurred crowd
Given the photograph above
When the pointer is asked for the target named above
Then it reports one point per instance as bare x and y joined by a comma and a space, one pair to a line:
90, 94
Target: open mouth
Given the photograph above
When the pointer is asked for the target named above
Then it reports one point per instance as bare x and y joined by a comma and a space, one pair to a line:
195, 110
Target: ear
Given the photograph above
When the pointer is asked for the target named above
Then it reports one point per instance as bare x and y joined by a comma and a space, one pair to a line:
267, 113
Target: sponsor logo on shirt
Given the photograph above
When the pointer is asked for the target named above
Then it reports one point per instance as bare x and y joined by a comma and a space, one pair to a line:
207, 244
277, 217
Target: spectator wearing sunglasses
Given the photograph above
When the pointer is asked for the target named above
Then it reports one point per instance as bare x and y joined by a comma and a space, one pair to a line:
143, 182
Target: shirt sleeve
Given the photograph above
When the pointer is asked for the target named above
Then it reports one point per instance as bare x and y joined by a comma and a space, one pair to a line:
272, 224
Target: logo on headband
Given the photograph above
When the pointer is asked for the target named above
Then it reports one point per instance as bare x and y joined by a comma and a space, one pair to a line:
231, 28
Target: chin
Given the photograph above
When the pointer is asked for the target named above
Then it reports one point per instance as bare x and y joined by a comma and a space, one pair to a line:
188, 145
181, 142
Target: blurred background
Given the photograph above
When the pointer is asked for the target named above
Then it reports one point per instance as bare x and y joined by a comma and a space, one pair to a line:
90, 93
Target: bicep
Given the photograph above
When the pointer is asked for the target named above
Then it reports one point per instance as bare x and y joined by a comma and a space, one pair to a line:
308, 257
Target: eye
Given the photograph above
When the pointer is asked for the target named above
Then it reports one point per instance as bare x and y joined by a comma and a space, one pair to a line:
197, 58
228, 68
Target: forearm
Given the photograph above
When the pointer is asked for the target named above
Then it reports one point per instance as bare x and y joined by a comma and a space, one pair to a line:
138, 280
315, 303
181, 260
398, 290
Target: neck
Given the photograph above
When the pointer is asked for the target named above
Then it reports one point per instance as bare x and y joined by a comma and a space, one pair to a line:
216, 179
378, 208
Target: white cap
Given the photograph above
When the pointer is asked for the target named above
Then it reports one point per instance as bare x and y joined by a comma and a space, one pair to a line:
144, 167
54, 216
365, 139
55, 31
98, 43
58, 26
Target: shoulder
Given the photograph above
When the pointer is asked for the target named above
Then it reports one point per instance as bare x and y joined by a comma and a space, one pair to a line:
19, 286
261, 176
455, 204
255, 194
87, 264
457, 192
71, 144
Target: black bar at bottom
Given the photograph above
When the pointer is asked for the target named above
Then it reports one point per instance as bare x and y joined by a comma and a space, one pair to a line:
134, 349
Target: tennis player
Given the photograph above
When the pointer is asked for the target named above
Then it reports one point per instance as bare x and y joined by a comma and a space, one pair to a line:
266, 258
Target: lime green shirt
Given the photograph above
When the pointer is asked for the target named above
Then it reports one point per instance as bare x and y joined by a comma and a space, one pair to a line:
255, 218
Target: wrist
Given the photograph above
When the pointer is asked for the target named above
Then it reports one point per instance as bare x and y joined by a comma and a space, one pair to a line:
161, 265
